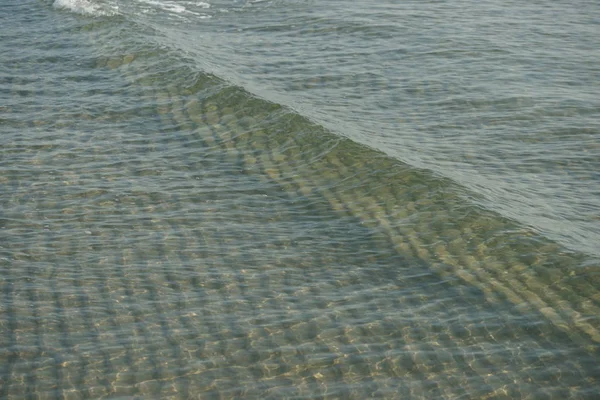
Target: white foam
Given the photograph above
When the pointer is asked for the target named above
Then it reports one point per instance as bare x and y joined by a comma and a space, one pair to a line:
85, 7
167, 6
176, 7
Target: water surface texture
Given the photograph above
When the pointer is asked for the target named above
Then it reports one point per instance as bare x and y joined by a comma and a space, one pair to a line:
299, 199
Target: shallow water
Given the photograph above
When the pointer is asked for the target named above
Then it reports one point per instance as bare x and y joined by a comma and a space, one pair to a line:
168, 234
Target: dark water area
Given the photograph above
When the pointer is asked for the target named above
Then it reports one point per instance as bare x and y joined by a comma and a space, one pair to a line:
172, 229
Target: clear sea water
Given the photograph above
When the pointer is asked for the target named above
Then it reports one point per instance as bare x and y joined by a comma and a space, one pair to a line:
299, 199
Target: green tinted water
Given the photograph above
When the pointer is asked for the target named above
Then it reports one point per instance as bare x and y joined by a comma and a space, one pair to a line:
166, 234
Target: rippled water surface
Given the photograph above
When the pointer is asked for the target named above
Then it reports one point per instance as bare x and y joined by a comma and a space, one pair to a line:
299, 199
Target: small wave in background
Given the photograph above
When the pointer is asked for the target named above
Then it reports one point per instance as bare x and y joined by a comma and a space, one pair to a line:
500, 98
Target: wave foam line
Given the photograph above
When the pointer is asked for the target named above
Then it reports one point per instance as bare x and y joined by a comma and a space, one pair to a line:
83, 7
